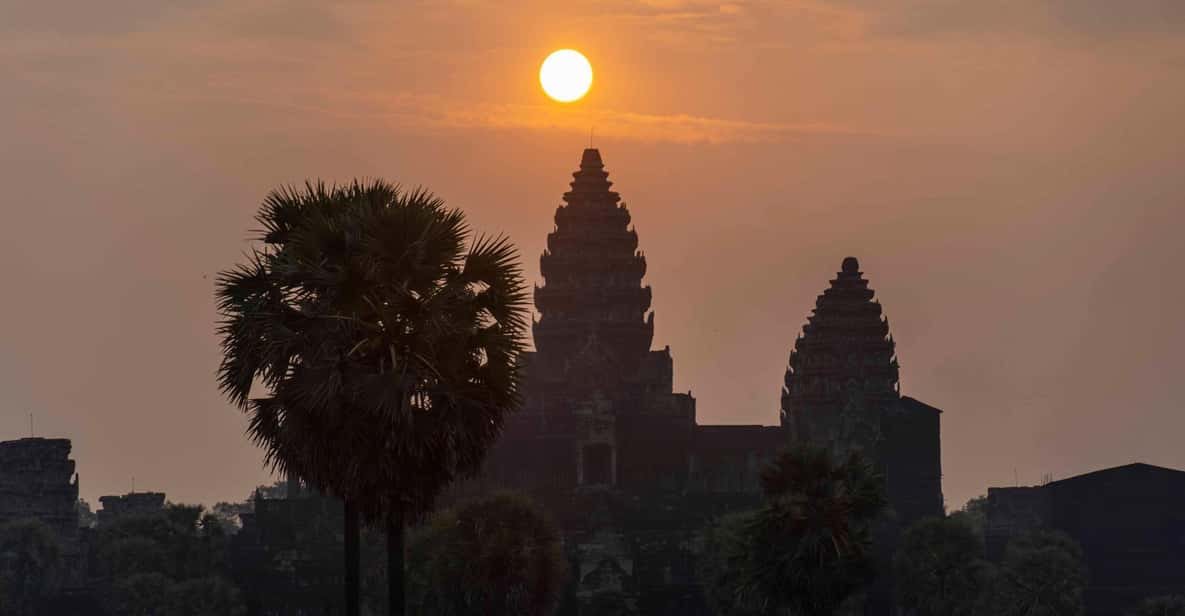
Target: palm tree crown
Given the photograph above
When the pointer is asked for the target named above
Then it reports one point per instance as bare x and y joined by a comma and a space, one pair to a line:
384, 339
808, 547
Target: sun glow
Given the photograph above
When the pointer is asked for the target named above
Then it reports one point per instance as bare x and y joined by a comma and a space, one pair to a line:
566, 75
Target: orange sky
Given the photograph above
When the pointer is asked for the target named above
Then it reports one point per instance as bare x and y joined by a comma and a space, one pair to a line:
1010, 175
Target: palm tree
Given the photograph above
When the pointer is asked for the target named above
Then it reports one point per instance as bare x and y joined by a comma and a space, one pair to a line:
384, 338
809, 546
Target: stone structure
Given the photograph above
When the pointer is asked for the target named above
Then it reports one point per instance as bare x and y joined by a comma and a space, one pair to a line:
1129, 520
619, 458
602, 439
842, 392
38, 481
132, 503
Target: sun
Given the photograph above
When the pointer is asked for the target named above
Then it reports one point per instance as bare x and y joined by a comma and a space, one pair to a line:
566, 75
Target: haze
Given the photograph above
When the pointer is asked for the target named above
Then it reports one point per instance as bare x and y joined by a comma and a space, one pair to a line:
1010, 175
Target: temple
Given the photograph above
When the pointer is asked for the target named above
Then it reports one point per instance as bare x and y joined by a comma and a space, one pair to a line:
129, 505
38, 480
608, 446
842, 392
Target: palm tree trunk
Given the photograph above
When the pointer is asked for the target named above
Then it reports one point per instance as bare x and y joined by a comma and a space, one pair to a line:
353, 533
395, 589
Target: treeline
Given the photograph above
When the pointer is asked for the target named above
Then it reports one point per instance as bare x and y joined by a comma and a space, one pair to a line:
496, 555
806, 551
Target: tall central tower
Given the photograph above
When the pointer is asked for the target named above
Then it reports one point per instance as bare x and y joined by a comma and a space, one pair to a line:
599, 409
592, 270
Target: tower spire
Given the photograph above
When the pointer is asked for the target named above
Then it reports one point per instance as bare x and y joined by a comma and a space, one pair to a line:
592, 272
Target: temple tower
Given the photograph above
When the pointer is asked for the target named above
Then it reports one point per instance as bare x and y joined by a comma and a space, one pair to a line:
842, 392
843, 372
599, 409
592, 271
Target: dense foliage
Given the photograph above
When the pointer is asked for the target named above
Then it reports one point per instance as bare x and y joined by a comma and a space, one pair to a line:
170, 563
1173, 605
30, 566
939, 568
497, 556
724, 545
1041, 574
807, 550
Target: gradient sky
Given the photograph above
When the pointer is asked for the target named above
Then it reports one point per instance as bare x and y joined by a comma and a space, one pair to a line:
1011, 175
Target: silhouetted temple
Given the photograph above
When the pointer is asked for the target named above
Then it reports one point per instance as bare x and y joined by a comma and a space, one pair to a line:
842, 392
600, 408
131, 504
38, 481
1129, 520
602, 439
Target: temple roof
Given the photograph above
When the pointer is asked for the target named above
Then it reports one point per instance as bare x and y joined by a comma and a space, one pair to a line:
590, 184
844, 344
592, 272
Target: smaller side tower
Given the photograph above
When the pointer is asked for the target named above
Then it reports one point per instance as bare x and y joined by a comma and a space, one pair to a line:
843, 372
842, 392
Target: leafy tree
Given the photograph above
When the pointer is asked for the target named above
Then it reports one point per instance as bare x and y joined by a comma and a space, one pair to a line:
609, 604
87, 518
940, 570
145, 560
1173, 605
141, 594
181, 542
30, 561
206, 596
809, 545
227, 515
496, 556
1041, 574
974, 514
127, 556
386, 342
723, 547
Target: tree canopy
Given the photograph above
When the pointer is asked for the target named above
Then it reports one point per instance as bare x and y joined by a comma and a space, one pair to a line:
808, 548
940, 569
1172, 605
385, 339
30, 566
1041, 574
499, 556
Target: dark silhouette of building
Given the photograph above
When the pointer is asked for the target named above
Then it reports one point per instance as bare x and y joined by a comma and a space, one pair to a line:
38, 481
1129, 520
602, 438
842, 392
601, 417
132, 503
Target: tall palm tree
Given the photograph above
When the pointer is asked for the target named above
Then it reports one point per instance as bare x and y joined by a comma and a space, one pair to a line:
384, 339
809, 546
